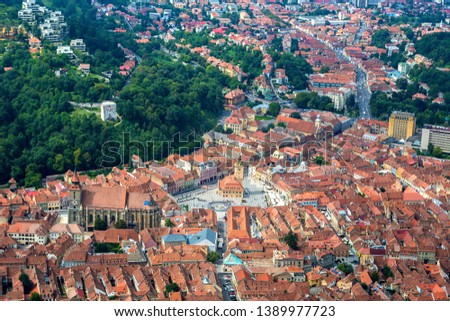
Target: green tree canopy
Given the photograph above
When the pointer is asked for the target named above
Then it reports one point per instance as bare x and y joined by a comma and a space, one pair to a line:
171, 287
121, 224
168, 223
35, 297
100, 224
296, 115
274, 109
345, 268
291, 239
26, 282
213, 256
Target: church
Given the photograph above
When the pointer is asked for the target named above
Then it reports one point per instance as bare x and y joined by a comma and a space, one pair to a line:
138, 209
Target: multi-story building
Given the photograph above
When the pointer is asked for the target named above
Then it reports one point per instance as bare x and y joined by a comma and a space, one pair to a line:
29, 11
65, 50
78, 44
234, 124
108, 110
402, 125
230, 187
437, 135
137, 209
73, 230
28, 233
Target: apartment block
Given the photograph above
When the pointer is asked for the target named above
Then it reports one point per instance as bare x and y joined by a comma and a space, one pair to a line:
402, 125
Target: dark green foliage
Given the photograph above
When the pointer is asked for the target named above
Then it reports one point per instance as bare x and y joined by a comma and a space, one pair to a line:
319, 160
296, 68
409, 34
435, 46
168, 223
219, 129
312, 100
35, 297
213, 256
171, 287
291, 239
402, 83
121, 224
425, 111
345, 268
247, 59
274, 109
296, 115
107, 248
324, 69
321, 12
100, 224
380, 38
374, 276
387, 273
26, 282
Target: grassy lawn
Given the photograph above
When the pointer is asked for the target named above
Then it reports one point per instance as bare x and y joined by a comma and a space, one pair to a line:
263, 117
85, 111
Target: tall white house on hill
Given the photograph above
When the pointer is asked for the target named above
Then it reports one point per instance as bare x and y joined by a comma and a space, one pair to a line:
109, 111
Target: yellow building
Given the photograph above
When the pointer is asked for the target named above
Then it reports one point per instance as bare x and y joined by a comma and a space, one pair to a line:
231, 187
239, 171
402, 125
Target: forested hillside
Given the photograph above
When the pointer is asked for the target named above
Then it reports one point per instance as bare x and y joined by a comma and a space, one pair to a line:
40, 131
435, 46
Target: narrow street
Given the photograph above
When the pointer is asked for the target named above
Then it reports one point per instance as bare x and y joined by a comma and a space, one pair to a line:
363, 92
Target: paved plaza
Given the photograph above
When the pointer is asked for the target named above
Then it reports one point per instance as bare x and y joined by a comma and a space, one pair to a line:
207, 197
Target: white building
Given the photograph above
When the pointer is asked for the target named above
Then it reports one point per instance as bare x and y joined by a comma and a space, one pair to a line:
108, 111
65, 50
28, 233
78, 44
73, 230
29, 10
439, 136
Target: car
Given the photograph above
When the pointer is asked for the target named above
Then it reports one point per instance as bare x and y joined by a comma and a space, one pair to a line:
232, 293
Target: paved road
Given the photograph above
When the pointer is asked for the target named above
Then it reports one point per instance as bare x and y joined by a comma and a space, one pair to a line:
363, 92
223, 278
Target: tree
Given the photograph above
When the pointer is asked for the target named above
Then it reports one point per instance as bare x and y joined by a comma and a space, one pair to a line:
213, 256
319, 160
402, 83
281, 124
35, 297
274, 109
171, 287
374, 276
324, 69
121, 224
219, 129
437, 152
409, 33
380, 38
345, 268
296, 115
26, 282
291, 240
387, 272
100, 224
168, 223
229, 131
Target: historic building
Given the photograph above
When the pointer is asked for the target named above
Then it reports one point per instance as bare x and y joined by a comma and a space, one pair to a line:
137, 209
